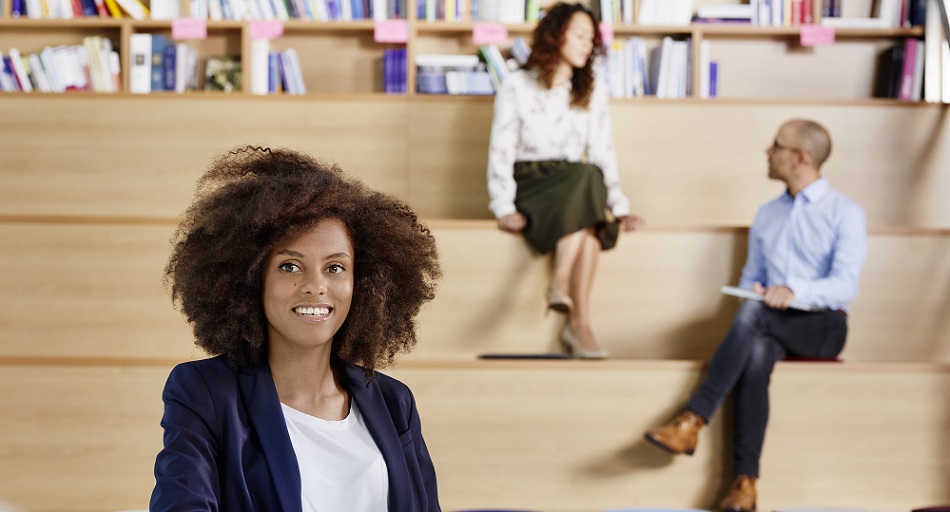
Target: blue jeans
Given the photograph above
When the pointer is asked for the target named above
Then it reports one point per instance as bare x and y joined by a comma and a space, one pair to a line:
743, 362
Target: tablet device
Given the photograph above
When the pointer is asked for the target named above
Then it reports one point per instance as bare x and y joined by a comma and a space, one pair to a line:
742, 293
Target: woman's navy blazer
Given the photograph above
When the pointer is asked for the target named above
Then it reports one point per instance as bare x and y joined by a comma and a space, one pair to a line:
227, 446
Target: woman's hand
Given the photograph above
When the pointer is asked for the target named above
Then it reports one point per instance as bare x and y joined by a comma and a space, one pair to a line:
630, 222
512, 223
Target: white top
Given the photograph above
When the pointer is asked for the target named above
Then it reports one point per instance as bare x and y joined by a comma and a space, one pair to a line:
533, 123
341, 468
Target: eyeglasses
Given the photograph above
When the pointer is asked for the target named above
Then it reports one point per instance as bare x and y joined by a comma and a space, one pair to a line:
777, 146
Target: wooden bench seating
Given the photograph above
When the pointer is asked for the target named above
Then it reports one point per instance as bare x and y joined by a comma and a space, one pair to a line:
94, 289
559, 436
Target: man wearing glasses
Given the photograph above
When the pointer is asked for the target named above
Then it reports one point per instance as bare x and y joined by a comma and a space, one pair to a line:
807, 246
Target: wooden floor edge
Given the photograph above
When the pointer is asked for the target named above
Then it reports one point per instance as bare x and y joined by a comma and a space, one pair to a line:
437, 223
519, 364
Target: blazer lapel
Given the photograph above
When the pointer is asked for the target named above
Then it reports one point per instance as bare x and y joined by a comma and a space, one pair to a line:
379, 421
264, 412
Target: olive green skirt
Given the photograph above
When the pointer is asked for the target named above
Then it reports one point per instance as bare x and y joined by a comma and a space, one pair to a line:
559, 198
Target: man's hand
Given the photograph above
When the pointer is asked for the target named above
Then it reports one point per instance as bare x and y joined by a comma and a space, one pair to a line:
775, 297
630, 222
512, 223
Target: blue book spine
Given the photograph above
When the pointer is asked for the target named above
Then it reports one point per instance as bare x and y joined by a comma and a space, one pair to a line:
8, 70
158, 55
169, 63
387, 70
356, 6
88, 8
402, 70
16, 8
308, 10
284, 76
713, 79
226, 11
273, 73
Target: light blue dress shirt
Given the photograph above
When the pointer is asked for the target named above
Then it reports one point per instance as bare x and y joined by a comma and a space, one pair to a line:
814, 243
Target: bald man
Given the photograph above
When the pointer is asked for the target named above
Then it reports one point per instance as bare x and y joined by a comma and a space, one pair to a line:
808, 246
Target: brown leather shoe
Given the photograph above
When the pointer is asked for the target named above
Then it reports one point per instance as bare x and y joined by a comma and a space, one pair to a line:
680, 435
741, 496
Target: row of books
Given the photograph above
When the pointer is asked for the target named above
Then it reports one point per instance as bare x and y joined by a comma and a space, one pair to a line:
499, 11
275, 72
318, 10
157, 63
67, 9
313, 10
91, 66
900, 71
452, 74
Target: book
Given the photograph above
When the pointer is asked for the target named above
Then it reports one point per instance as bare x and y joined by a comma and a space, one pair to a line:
260, 49
169, 66
223, 73
140, 63
158, 57
476, 83
136, 9
742, 293
19, 71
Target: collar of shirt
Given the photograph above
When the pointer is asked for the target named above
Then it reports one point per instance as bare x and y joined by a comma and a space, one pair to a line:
812, 193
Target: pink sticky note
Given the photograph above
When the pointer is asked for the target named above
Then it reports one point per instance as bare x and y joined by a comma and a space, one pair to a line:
813, 35
391, 31
607, 33
489, 33
189, 28
266, 29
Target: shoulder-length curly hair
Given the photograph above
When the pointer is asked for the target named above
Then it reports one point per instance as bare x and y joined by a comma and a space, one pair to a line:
252, 197
545, 55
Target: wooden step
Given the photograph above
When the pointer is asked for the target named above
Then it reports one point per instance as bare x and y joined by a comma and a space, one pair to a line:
558, 436
94, 290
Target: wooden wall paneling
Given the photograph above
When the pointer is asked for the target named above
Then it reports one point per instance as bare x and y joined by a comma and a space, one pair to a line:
448, 157
89, 291
140, 157
704, 162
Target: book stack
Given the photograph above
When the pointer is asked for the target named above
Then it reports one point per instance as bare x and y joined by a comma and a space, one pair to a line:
312, 10
666, 74
626, 68
613, 11
494, 11
68, 9
158, 64
498, 67
91, 66
275, 72
665, 12
886, 14
727, 13
452, 74
900, 71
671, 69
394, 71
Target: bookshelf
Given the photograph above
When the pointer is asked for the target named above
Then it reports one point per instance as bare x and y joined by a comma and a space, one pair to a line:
343, 57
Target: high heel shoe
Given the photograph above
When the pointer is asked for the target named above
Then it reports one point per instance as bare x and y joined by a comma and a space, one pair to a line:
571, 342
560, 303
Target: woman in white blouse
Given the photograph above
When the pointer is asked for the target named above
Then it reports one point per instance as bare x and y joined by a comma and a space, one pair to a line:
552, 169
